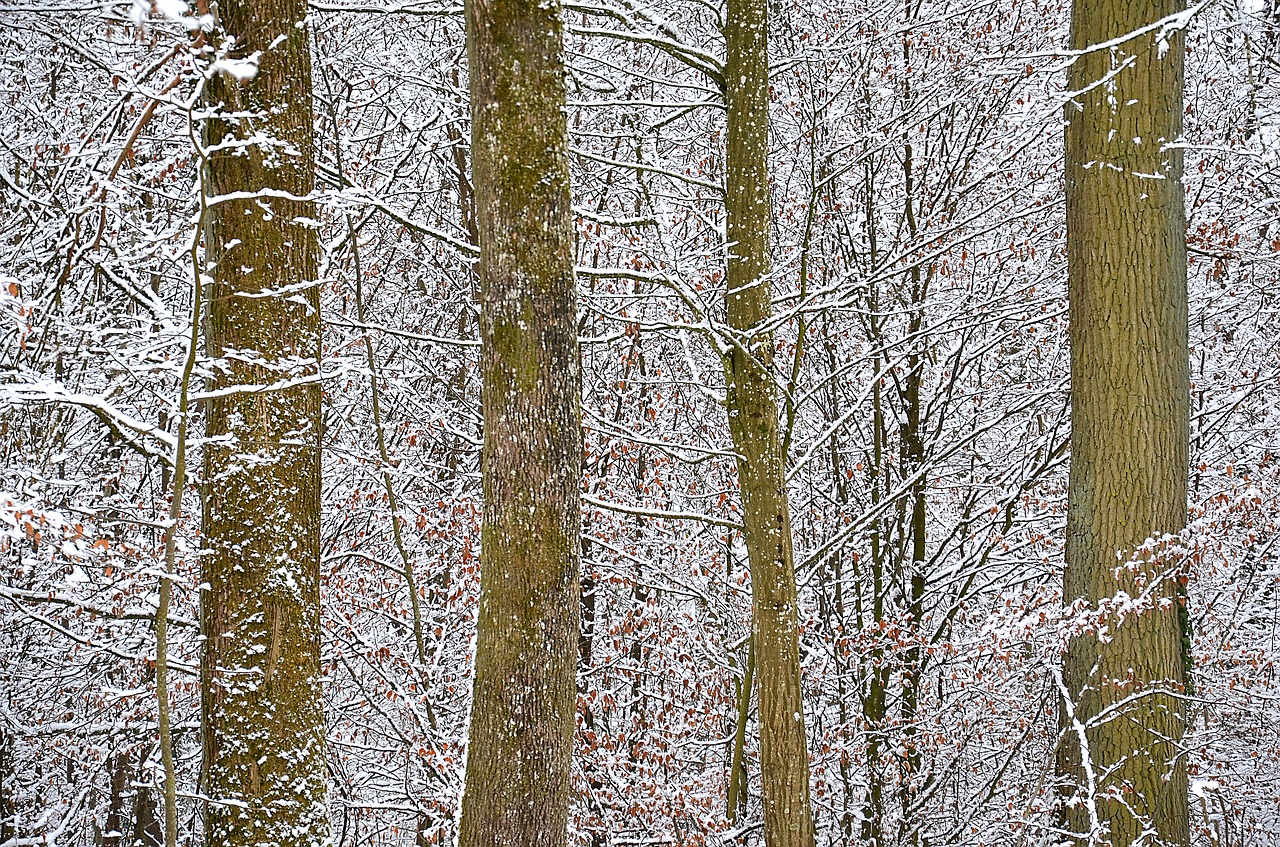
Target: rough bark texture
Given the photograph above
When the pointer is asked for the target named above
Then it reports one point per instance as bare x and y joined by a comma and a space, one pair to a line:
264, 762
753, 424
1129, 386
522, 714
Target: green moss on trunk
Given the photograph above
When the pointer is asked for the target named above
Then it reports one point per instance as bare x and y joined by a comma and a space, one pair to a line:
753, 424
264, 760
522, 714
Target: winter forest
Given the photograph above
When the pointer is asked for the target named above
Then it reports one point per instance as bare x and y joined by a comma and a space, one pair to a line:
617, 423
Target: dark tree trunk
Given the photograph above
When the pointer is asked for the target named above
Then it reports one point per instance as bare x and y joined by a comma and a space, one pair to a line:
112, 832
147, 830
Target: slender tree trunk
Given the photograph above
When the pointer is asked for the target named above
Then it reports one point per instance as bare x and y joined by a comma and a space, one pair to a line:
522, 714
586, 646
876, 669
1126, 251
911, 439
834, 613
388, 484
264, 750
912, 661
735, 798
8, 821
753, 424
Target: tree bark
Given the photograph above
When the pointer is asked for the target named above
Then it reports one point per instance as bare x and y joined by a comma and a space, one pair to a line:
737, 767
522, 714
875, 670
263, 725
753, 424
112, 831
1126, 252
147, 828
8, 816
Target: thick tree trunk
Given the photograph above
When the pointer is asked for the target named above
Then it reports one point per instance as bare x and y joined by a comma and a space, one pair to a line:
912, 441
1126, 253
264, 759
522, 714
753, 424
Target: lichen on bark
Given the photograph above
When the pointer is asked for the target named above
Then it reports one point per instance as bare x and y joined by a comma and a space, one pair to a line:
264, 766
522, 714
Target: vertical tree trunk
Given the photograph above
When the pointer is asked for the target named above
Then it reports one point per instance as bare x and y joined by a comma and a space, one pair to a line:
586, 645
8, 821
522, 714
1126, 252
912, 441
736, 794
875, 668
753, 424
112, 832
8, 824
147, 831
264, 759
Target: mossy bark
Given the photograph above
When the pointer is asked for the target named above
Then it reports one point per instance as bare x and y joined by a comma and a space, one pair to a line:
522, 714
754, 427
263, 725
1126, 251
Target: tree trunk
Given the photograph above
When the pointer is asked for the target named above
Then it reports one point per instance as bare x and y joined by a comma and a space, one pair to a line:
1126, 251
753, 424
8, 810
522, 714
147, 831
264, 748
912, 442
112, 832
875, 669
736, 796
